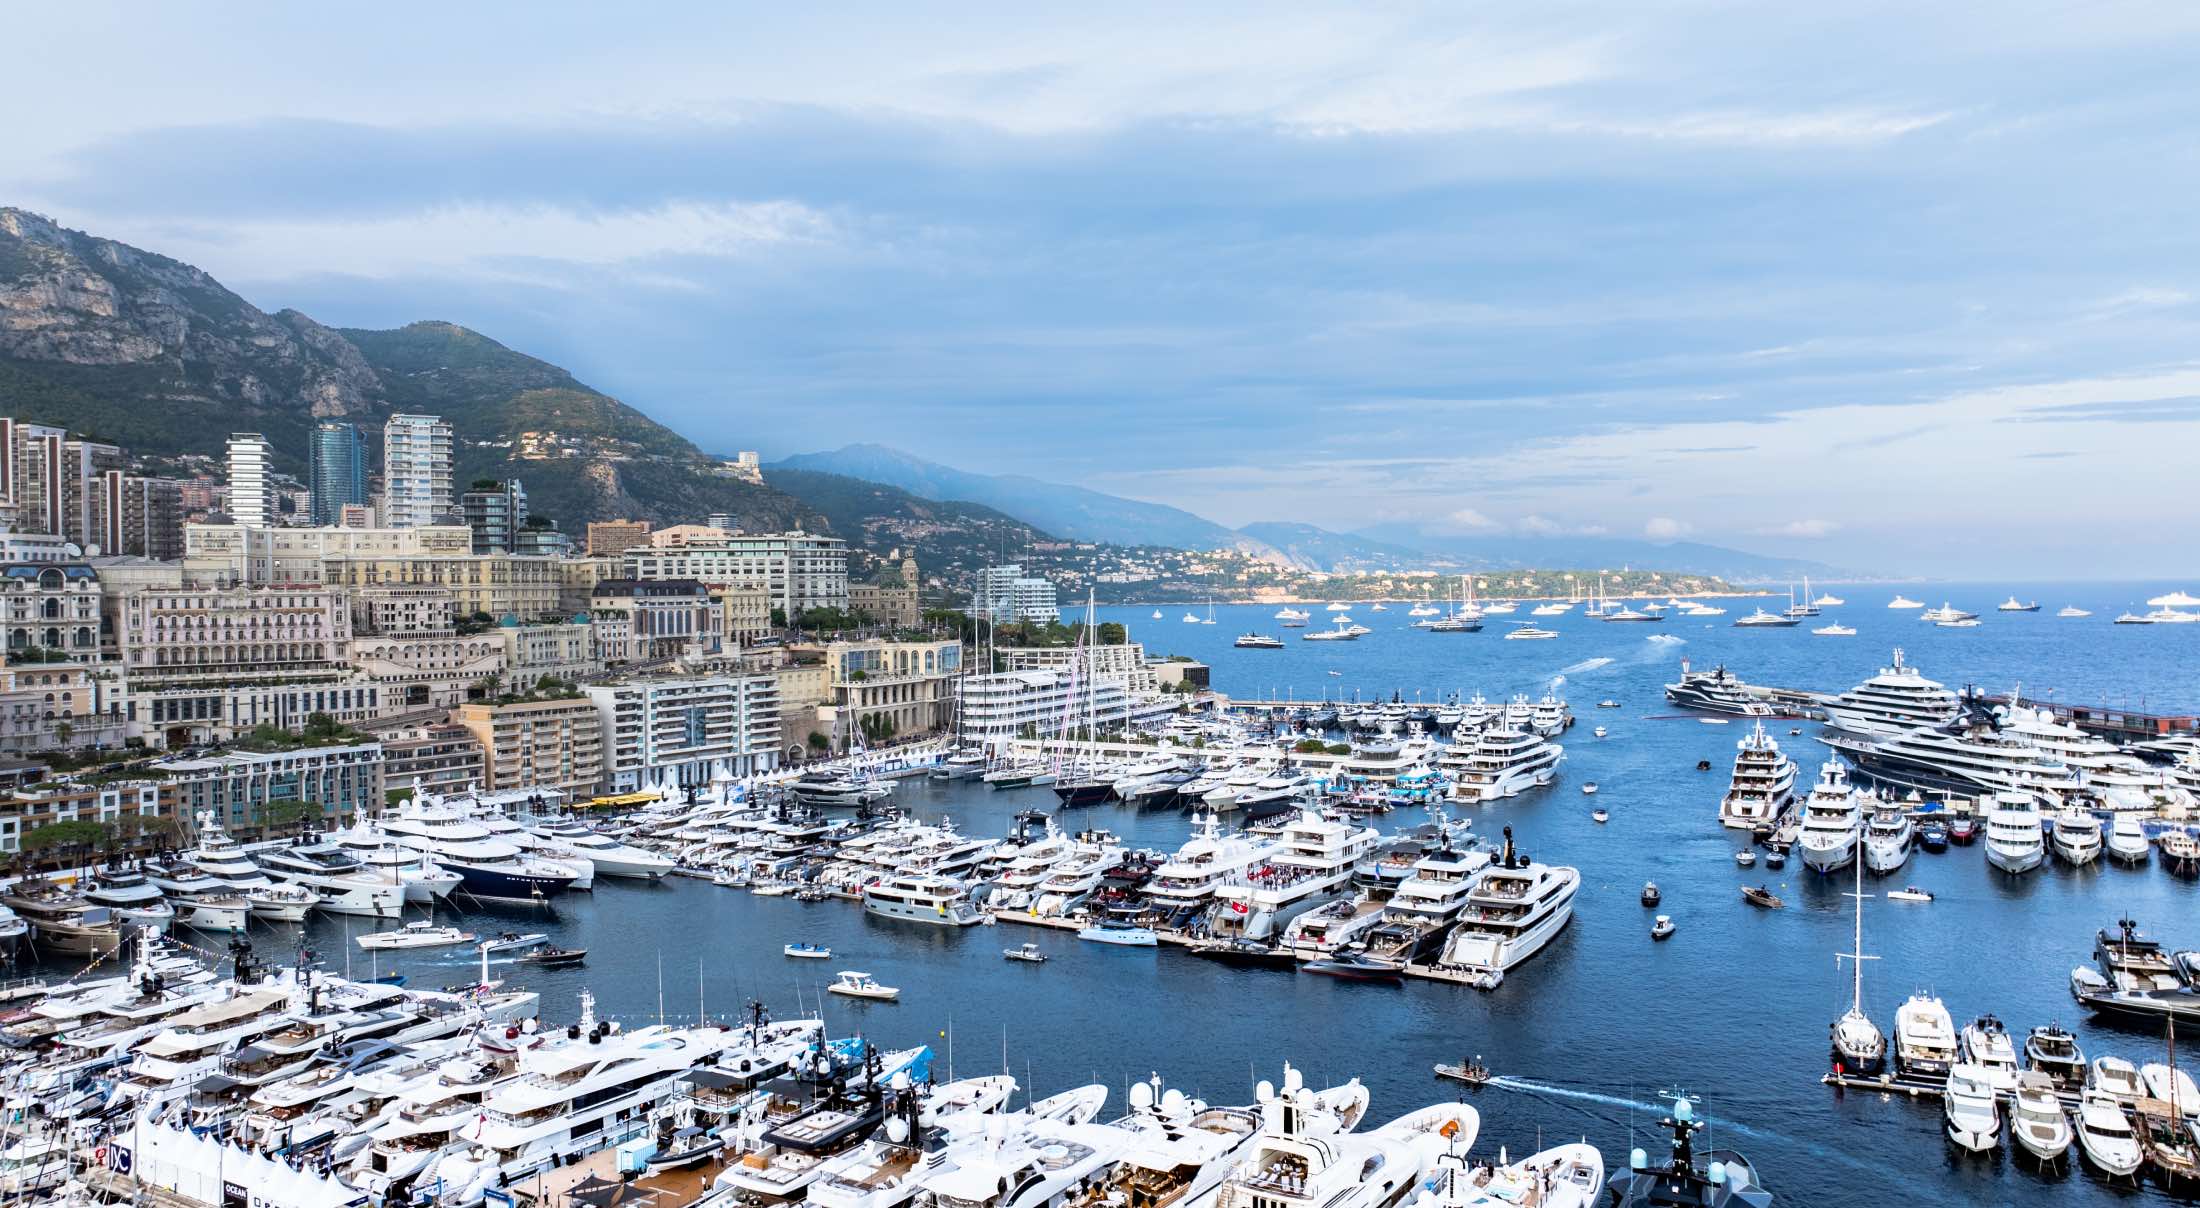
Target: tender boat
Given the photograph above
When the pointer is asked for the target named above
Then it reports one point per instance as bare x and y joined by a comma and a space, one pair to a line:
1589, 788
809, 952
1650, 894
1758, 895
1662, 928
1600, 816
1028, 953
1351, 966
550, 956
1121, 934
854, 984
1909, 893
1745, 858
510, 940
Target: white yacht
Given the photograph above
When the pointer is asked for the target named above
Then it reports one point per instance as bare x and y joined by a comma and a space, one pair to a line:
2016, 841
1901, 601
1886, 842
1896, 700
1307, 1156
1424, 906
610, 857
218, 859
1499, 762
921, 898
1832, 821
1972, 1109
1185, 884
1763, 786
129, 898
1924, 1038
1514, 909
2120, 779
167, 1066
1970, 756
1311, 863
2106, 1136
344, 885
424, 883
201, 902
2077, 835
2127, 840
487, 867
1946, 614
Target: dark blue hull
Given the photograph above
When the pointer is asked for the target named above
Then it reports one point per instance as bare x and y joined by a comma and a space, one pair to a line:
490, 881
1087, 792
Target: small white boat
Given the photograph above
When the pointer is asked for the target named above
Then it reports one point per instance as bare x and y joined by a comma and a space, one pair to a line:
1902, 601
1745, 858
1600, 732
1600, 815
778, 889
2036, 1118
1835, 630
1974, 1117
2072, 610
510, 940
1959, 623
1663, 927
1156, 614
1028, 953
862, 985
416, 935
1589, 788
1120, 935
808, 952
1909, 893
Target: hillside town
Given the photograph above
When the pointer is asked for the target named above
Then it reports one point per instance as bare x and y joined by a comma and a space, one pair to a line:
261, 650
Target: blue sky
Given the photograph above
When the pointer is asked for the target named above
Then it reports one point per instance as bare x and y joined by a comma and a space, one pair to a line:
1905, 288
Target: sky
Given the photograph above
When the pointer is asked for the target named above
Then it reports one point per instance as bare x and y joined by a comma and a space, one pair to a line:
1911, 289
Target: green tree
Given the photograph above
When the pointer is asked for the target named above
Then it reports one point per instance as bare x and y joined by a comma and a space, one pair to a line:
66, 841
63, 732
279, 815
1112, 633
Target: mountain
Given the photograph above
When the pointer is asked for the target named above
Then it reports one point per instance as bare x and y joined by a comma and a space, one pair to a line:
1684, 557
1073, 513
147, 352
1313, 548
951, 539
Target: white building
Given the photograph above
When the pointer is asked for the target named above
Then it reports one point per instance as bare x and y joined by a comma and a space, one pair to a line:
1005, 593
667, 733
1039, 704
1125, 663
416, 471
251, 480
799, 570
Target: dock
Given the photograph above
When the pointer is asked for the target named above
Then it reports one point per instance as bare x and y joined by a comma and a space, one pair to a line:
1918, 1087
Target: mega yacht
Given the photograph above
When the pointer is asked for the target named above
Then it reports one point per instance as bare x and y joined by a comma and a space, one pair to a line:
1514, 909
344, 885
2119, 779
2015, 841
1895, 701
1424, 906
1715, 691
65, 921
1311, 863
1969, 756
921, 898
129, 898
1761, 619
1887, 836
219, 858
610, 857
1832, 821
1901, 601
1946, 614
1185, 884
1307, 1156
1763, 786
1499, 762
2127, 840
487, 867
201, 902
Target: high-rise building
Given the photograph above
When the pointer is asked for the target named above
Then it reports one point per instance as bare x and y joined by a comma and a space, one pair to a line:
416, 471
1005, 593
251, 480
338, 473
496, 511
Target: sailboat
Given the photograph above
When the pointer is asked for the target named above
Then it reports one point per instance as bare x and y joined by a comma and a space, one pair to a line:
1804, 609
1210, 611
1858, 1045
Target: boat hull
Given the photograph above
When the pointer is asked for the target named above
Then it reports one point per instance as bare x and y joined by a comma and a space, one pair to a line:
503, 884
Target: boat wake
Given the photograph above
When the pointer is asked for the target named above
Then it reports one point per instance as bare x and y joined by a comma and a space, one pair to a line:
1654, 1110
1585, 666
1667, 639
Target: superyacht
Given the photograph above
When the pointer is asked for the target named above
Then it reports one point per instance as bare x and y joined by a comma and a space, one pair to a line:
1763, 786
921, 898
1307, 1156
1832, 821
1499, 763
1312, 862
1887, 838
487, 867
330, 870
1513, 910
1969, 756
218, 857
1424, 906
2015, 840
2077, 836
1715, 691
1895, 701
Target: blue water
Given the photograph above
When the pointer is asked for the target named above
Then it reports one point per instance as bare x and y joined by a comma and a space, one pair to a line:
1589, 1034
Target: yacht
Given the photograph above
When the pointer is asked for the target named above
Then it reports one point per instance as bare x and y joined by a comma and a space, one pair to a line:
1835, 631
424, 883
1424, 906
1763, 786
1760, 619
1293, 614
2127, 840
201, 902
1529, 633
129, 898
1258, 641
344, 885
1857, 1042
2015, 842
1832, 821
1513, 910
219, 858
1901, 601
2118, 778
487, 867
1970, 756
1887, 838
1185, 884
1499, 763
64, 921
1972, 1109
1718, 1178
612, 858
2073, 611
1307, 1155
921, 898
2105, 1134
1311, 863
2012, 604
1563, 1176
2077, 835
1894, 701
1924, 1038
1987, 1046
1946, 614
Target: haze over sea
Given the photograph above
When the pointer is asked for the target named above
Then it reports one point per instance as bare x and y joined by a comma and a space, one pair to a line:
1590, 1032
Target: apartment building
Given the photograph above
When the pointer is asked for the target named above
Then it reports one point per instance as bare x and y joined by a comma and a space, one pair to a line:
669, 734
799, 571
238, 787
538, 743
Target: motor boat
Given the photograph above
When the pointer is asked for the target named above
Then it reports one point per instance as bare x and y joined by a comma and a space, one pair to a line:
2076, 838
1832, 821
420, 934
2050, 1049
852, 983
1718, 1178
1971, 1109
2015, 840
1924, 1038
808, 952
1986, 1045
2036, 1119
1886, 842
2127, 841
2105, 1135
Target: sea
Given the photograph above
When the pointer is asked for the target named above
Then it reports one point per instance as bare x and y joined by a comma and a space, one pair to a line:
1593, 1037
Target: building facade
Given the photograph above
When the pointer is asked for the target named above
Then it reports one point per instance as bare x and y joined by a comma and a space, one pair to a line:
231, 553
669, 734
238, 787
416, 471
27, 808
748, 618
234, 634
441, 758
891, 605
643, 620
1006, 593
540, 743
886, 689
428, 670
799, 571
337, 471
563, 650
613, 537
251, 480
51, 607
496, 512
60, 706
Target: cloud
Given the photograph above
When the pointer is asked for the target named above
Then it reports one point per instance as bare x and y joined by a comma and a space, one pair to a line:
1665, 528
1803, 530
1469, 520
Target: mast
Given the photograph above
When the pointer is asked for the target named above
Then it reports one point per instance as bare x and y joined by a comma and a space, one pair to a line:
1856, 953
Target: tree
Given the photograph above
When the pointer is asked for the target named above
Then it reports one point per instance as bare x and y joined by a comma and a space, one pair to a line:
276, 815
1112, 633
65, 839
818, 742
63, 732
1310, 746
